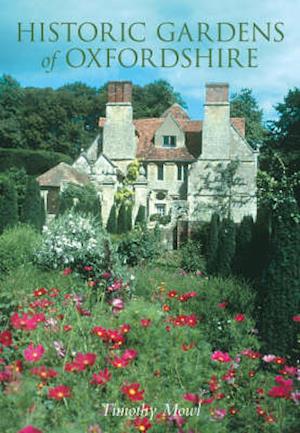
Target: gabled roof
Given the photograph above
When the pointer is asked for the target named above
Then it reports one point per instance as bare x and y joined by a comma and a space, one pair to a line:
146, 129
177, 111
62, 173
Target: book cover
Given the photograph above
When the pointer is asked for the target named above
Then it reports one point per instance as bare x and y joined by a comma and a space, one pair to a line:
149, 216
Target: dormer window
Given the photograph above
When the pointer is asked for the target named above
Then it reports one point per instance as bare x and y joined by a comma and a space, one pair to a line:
169, 141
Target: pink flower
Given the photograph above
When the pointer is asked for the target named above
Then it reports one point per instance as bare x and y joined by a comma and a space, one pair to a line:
30, 429
239, 317
118, 305
269, 358
129, 354
219, 414
296, 318
220, 356
33, 354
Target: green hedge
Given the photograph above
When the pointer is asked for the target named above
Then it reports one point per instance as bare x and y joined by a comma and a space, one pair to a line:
35, 162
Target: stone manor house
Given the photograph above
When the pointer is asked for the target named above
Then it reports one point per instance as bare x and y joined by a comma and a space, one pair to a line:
182, 160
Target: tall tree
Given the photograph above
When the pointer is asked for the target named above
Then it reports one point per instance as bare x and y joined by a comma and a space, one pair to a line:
244, 104
33, 207
8, 203
213, 245
112, 224
244, 245
279, 288
226, 248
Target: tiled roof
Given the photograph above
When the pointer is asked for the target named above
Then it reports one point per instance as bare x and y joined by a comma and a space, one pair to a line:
62, 173
177, 111
146, 129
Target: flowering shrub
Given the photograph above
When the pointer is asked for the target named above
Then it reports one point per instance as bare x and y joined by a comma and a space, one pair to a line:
66, 366
74, 241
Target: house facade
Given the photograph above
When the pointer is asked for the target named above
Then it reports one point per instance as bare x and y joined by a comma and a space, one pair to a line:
188, 168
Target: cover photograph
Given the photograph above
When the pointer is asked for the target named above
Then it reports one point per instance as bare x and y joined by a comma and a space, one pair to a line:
149, 216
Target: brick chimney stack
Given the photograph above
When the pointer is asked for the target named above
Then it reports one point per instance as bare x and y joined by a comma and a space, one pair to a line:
119, 142
217, 93
216, 125
119, 92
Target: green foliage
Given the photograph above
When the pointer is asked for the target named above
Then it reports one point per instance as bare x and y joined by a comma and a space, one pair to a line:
161, 219
122, 219
80, 199
33, 212
226, 248
75, 240
35, 162
245, 105
154, 98
17, 245
8, 203
141, 216
133, 170
138, 245
244, 248
213, 245
128, 218
279, 287
112, 224
191, 257
19, 178
65, 119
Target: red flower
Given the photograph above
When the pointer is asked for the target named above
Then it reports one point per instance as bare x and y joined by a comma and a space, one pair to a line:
220, 356
133, 392
239, 317
223, 304
166, 308
68, 328
125, 328
172, 294
33, 354
30, 429
191, 320
186, 347
296, 318
279, 360
233, 411
142, 424
283, 390
84, 360
59, 392
100, 332
101, 378
24, 322
67, 271
43, 372
119, 362
40, 292
193, 398
6, 338
249, 353
145, 323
